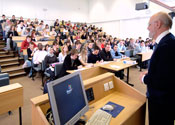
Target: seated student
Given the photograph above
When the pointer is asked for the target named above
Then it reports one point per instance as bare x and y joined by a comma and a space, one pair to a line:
78, 45
105, 53
84, 57
47, 28
56, 48
106, 56
63, 53
94, 57
46, 47
50, 57
132, 44
140, 48
90, 47
20, 27
77, 36
39, 55
53, 33
25, 43
71, 62
30, 50
26, 32
121, 46
68, 44
84, 36
58, 40
10, 43
30, 53
115, 54
39, 28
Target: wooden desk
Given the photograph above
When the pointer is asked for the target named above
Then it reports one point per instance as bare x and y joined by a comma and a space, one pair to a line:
11, 98
117, 66
122, 94
22, 38
145, 56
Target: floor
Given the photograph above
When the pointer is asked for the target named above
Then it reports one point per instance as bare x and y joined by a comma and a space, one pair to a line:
33, 89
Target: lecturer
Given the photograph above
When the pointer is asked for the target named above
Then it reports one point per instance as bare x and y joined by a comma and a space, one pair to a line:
160, 78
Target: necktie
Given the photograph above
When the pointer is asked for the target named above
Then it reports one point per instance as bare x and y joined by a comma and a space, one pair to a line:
155, 46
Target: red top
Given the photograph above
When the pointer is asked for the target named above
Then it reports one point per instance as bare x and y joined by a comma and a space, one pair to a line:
25, 45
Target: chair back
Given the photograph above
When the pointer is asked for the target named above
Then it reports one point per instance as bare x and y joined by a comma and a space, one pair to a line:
58, 68
4, 79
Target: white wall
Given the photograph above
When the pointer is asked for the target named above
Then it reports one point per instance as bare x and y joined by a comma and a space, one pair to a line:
119, 17
74, 10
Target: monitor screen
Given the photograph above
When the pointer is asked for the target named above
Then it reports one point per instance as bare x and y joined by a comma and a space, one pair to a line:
68, 99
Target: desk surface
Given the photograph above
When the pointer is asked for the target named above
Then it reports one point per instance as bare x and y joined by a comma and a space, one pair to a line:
145, 55
116, 66
131, 105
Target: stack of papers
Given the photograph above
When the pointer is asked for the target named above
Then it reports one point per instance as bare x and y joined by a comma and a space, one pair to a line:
115, 66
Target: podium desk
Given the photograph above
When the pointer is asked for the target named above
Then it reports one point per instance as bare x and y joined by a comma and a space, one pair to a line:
145, 56
122, 94
89, 72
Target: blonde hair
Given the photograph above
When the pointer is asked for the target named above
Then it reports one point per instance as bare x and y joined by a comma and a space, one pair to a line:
62, 50
83, 54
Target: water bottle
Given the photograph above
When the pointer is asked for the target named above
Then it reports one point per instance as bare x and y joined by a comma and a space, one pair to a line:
129, 62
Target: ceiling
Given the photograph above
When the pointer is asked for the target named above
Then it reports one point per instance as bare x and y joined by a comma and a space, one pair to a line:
169, 4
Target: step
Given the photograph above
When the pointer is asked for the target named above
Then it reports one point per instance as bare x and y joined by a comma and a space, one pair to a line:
2, 46
9, 64
5, 52
6, 56
2, 61
12, 69
2, 43
17, 74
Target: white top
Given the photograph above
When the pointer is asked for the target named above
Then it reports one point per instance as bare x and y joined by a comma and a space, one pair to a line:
61, 57
161, 36
39, 56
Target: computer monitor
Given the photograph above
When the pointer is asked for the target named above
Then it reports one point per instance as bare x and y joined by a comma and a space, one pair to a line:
67, 99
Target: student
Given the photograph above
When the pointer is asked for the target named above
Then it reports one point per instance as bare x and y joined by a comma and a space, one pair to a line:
84, 56
94, 57
39, 55
25, 43
56, 48
121, 46
71, 62
115, 54
50, 57
10, 44
63, 53
53, 33
78, 45
90, 47
105, 53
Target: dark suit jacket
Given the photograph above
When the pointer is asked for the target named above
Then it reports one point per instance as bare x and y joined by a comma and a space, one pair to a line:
160, 80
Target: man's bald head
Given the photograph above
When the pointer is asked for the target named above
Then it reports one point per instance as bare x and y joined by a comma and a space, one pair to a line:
164, 18
159, 23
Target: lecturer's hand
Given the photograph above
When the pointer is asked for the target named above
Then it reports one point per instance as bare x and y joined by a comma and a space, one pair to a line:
142, 74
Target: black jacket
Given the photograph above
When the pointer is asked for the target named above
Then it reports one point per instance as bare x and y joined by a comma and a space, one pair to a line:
106, 56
